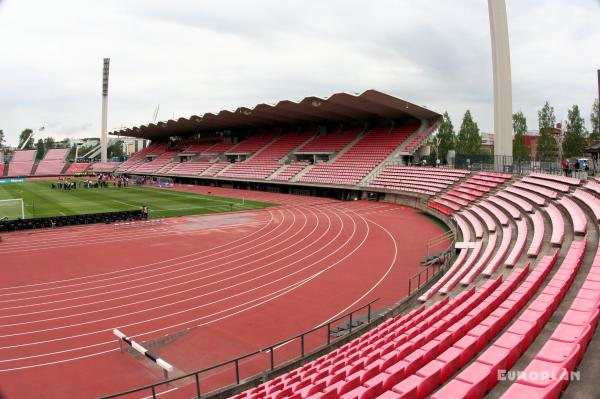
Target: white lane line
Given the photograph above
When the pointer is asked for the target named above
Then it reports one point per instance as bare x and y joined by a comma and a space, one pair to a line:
285, 290
128, 270
303, 248
161, 275
184, 300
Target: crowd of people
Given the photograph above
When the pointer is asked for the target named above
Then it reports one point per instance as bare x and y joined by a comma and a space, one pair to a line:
579, 168
102, 181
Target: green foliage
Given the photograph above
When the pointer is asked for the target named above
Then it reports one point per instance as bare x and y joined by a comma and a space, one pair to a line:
49, 142
595, 122
520, 148
1, 138
575, 137
23, 136
445, 138
468, 140
546, 117
41, 149
547, 148
115, 149
71, 155
85, 149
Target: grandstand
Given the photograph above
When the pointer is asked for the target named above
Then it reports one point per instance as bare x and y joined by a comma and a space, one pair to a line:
515, 289
21, 163
53, 162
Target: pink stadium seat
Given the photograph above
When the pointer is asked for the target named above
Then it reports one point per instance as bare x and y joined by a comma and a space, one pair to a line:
215, 168
268, 152
561, 185
496, 261
577, 215
21, 163
494, 210
475, 223
590, 200
535, 198
53, 162
105, 167
490, 225
75, 168
558, 225
532, 188
538, 235
520, 202
509, 208
593, 186
556, 178
481, 262
519, 245
360, 159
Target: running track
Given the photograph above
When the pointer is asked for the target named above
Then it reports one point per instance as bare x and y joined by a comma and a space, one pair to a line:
226, 285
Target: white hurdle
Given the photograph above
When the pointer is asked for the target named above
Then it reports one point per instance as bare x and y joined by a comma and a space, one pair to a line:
159, 361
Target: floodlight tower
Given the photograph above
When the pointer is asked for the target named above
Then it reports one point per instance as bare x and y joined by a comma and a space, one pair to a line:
103, 136
502, 82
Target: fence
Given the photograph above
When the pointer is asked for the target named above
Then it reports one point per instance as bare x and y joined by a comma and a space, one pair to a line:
247, 366
420, 280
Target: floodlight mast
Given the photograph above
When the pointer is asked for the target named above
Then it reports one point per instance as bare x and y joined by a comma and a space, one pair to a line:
502, 83
104, 136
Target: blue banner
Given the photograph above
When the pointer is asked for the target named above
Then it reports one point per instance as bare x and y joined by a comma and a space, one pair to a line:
13, 180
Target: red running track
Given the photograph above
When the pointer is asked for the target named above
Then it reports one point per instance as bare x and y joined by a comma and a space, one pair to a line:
219, 285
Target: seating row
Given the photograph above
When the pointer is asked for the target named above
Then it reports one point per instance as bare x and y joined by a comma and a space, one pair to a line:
566, 346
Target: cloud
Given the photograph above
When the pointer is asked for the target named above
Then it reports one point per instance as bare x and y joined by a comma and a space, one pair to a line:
194, 57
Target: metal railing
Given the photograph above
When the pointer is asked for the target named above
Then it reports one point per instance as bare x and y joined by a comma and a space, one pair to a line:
435, 242
235, 365
420, 280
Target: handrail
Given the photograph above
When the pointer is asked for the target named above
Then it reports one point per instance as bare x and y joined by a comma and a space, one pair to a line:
435, 270
236, 362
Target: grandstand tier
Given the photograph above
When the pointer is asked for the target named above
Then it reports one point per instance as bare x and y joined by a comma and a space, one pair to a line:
21, 163
466, 336
53, 162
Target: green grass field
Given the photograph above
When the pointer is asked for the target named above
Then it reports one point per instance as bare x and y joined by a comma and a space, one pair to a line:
41, 200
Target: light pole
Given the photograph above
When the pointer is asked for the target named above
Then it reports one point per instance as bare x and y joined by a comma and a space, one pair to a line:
502, 82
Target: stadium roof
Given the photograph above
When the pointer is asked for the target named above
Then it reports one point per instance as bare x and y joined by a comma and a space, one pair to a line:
340, 107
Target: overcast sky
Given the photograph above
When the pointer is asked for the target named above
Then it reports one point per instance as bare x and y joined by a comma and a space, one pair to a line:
193, 57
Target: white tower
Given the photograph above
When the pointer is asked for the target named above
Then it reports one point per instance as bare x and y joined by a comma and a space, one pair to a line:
502, 82
103, 135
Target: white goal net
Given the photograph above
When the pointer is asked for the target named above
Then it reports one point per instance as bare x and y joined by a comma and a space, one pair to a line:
11, 209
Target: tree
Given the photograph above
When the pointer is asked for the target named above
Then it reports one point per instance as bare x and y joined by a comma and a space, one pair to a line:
468, 140
23, 136
575, 137
546, 117
1, 138
445, 138
547, 148
41, 149
115, 149
520, 148
71, 155
49, 142
595, 122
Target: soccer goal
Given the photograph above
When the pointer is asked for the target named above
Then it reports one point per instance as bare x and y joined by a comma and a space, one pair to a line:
165, 182
11, 209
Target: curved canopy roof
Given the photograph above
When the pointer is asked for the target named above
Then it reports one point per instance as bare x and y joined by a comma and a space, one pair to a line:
340, 107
